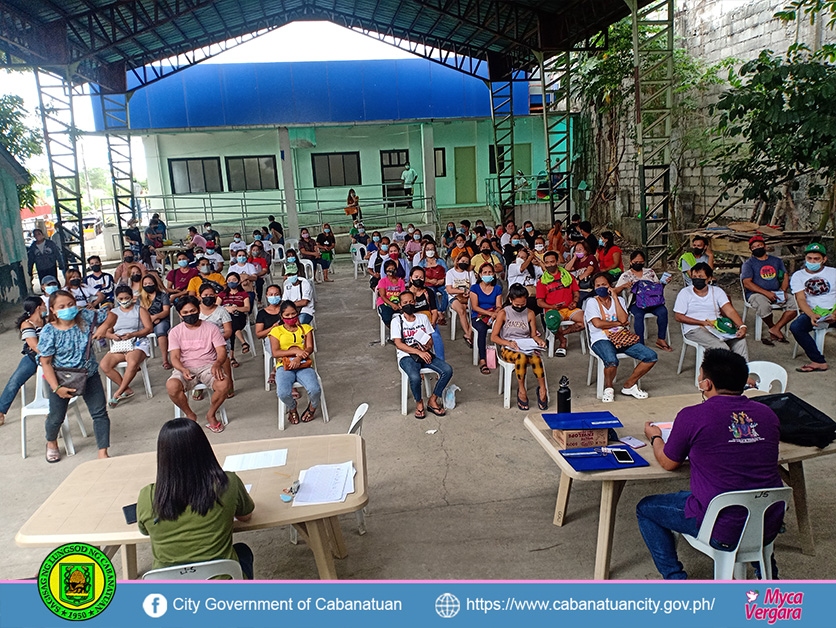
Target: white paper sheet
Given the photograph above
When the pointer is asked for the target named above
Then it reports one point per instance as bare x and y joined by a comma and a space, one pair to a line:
256, 460
528, 345
666, 429
325, 484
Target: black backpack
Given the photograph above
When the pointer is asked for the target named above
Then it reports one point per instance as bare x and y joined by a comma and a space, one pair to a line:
801, 423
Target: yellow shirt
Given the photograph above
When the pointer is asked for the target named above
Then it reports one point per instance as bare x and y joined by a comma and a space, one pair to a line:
288, 339
196, 282
480, 259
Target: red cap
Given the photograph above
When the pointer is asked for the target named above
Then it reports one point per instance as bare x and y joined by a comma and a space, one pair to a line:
757, 238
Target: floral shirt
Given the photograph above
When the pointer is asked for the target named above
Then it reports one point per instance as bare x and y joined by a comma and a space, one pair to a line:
67, 346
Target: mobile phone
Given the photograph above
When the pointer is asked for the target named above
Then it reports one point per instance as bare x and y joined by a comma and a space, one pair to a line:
623, 456
130, 513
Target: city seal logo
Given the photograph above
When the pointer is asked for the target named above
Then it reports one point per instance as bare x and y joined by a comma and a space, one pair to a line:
76, 581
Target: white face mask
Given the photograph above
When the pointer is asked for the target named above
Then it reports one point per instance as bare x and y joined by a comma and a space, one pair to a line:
539, 247
430, 253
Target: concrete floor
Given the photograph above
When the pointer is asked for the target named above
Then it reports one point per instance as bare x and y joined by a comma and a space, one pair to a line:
475, 500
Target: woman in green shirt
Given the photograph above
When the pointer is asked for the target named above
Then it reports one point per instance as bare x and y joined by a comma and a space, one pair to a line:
189, 511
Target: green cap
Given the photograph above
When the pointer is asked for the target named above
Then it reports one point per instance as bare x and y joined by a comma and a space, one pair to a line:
553, 320
815, 247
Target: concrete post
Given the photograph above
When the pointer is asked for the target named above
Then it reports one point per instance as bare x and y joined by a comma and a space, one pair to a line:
289, 186
428, 167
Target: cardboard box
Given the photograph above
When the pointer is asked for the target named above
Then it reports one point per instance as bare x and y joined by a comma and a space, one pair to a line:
577, 430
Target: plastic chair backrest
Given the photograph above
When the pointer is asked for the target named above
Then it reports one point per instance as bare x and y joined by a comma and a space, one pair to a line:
358, 254
198, 571
767, 373
756, 501
356, 426
278, 248
40, 386
308, 265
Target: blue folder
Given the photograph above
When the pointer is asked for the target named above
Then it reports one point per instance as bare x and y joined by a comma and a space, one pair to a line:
581, 420
591, 459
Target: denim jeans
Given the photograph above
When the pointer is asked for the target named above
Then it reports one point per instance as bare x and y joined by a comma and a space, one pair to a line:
606, 350
26, 368
386, 314
413, 371
801, 328
481, 342
305, 319
94, 397
442, 299
659, 517
245, 558
661, 314
306, 377
438, 343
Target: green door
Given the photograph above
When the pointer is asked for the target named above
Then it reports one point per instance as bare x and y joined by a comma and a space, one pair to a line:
465, 168
522, 158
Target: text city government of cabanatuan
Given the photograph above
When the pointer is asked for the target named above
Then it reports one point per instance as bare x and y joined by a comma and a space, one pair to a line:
303, 604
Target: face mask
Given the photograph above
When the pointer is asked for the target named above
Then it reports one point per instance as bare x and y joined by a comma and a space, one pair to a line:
539, 247
813, 266
384, 248
418, 282
182, 263
519, 308
580, 254
602, 292
416, 237
274, 299
398, 228
210, 251
68, 313
203, 269
464, 265
520, 259
191, 319
394, 254
256, 238
361, 230
375, 238
430, 253
199, 256
529, 229
77, 282
461, 230
601, 242
241, 260
487, 278
759, 252
638, 266
411, 229
129, 259
306, 236
96, 268
150, 289
515, 242
124, 303
50, 289
552, 270
237, 238
292, 321
408, 308
257, 252
486, 252
391, 271
233, 285
327, 230
135, 278
696, 251
460, 245
699, 282
291, 260
208, 301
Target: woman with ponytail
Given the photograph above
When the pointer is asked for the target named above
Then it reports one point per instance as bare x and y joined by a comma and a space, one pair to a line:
29, 323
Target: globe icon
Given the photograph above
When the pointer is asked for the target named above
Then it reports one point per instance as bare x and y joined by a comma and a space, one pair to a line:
447, 605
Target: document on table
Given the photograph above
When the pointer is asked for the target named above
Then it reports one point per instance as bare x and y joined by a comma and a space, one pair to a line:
325, 484
528, 345
666, 429
256, 460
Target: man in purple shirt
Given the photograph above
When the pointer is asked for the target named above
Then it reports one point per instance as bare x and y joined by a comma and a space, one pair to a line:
731, 443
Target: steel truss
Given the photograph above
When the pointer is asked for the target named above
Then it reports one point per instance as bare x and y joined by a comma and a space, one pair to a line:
56, 94
653, 44
502, 117
117, 132
555, 74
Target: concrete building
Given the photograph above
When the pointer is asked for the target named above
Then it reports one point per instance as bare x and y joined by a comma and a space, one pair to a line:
13, 283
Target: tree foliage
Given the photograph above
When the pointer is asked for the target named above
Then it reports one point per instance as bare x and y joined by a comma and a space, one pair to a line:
20, 140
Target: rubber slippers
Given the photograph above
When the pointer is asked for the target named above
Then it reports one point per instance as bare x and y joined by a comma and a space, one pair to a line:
113, 402
543, 405
420, 414
52, 455
436, 411
809, 369
522, 405
217, 428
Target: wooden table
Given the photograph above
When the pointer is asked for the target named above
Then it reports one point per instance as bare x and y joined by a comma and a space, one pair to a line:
87, 506
633, 414
171, 252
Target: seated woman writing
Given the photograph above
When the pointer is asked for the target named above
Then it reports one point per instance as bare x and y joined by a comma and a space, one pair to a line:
190, 510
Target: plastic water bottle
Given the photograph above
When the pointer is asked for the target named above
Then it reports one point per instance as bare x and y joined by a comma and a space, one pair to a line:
450, 396
564, 396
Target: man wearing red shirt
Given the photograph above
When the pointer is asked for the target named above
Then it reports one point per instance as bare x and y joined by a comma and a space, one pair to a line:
554, 294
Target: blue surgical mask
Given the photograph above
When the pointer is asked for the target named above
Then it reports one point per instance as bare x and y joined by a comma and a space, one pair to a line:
182, 263
384, 247
601, 242
68, 313
361, 230
416, 237
241, 260
529, 229
237, 238
813, 267
50, 289
274, 300
327, 230
256, 238
487, 278
602, 292
515, 242
461, 229
291, 260
375, 238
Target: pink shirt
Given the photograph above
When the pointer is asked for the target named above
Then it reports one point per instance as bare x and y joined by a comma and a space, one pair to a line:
196, 344
199, 240
390, 289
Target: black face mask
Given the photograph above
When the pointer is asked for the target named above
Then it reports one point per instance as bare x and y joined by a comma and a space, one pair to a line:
552, 270
409, 308
759, 252
697, 252
464, 266
486, 252
191, 319
699, 283
208, 301
150, 289
129, 259
637, 266
136, 277
519, 308
75, 282
391, 271
418, 283
96, 268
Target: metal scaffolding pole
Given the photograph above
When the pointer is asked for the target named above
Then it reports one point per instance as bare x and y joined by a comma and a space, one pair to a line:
116, 124
56, 94
555, 74
502, 117
653, 39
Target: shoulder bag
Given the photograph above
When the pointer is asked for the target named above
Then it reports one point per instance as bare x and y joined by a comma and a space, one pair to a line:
76, 378
622, 338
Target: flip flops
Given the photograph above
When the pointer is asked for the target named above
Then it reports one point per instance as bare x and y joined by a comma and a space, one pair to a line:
217, 428
436, 411
52, 455
522, 405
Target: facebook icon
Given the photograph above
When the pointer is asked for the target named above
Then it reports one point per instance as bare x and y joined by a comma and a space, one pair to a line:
155, 605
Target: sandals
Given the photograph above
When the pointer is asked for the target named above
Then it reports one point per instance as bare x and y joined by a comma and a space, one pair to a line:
272, 378
809, 369
522, 405
560, 352
234, 363
217, 428
608, 396
468, 341
483, 368
245, 347
420, 414
113, 402
435, 410
230, 394
543, 405
167, 365
293, 417
52, 455
663, 345
197, 395
308, 414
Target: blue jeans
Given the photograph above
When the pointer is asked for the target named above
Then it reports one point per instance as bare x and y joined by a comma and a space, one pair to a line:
386, 314
659, 517
661, 314
481, 342
442, 299
306, 377
305, 319
245, 558
413, 371
163, 327
94, 397
801, 328
606, 350
26, 368
438, 343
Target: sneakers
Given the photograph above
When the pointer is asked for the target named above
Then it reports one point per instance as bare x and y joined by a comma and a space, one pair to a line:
635, 391
609, 395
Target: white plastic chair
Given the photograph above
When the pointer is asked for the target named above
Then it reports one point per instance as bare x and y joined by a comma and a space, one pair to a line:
768, 372
291, 243
221, 410
507, 376
698, 362
476, 343
358, 254
198, 571
324, 408
758, 319
405, 386
268, 361
39, 406
143, 369
594, 357
551, 339
453, 316
248, 332
750, 548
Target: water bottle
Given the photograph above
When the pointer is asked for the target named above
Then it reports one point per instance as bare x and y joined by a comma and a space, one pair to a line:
564, 396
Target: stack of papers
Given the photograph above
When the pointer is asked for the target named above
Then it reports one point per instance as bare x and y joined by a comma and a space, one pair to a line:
528, 346
325, 484
666, 429
256, 460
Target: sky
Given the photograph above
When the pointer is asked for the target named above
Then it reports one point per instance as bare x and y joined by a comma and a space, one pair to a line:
298, 41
